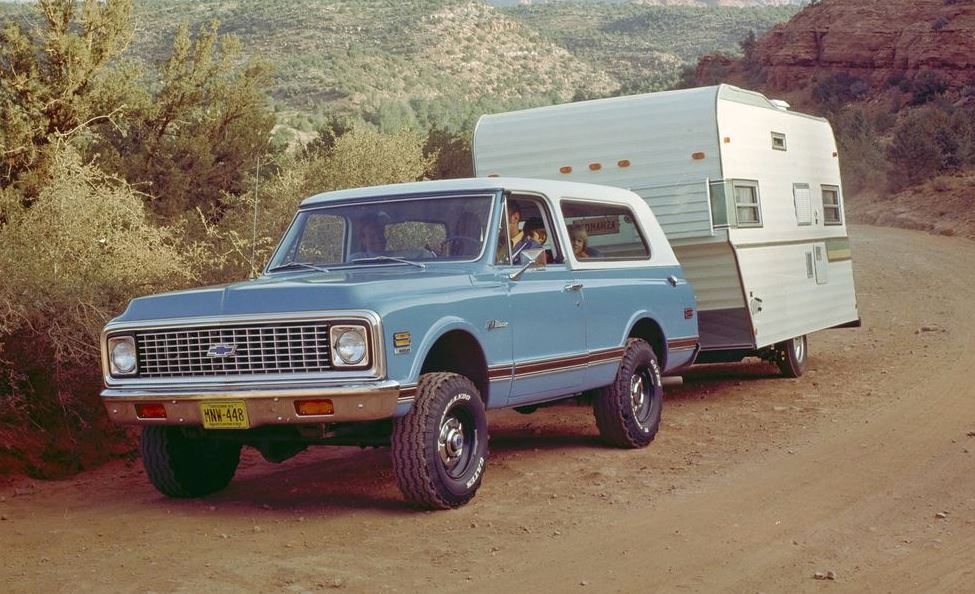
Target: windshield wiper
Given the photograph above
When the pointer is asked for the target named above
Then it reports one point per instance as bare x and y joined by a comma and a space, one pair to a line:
389, 259
298, 265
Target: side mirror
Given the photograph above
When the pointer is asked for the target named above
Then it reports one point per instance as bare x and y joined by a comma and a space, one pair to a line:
533, 258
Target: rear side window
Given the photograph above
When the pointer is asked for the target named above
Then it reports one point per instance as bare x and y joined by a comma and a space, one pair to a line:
604, 232
831, 206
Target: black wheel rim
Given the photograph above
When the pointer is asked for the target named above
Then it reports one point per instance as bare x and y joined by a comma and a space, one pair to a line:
457, 442
642, 396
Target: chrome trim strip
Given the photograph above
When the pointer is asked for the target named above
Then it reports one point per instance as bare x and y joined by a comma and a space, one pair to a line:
371, 319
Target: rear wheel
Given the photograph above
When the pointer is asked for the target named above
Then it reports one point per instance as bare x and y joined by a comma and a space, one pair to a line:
628, 410
440, 446
181, 466
791, 355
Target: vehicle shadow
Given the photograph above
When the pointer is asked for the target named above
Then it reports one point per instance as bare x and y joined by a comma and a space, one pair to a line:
343, 480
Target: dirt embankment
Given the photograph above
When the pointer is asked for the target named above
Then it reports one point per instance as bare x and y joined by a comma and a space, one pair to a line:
865, 468
944, 205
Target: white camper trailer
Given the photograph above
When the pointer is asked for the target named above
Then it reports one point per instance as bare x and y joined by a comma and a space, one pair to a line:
748, 193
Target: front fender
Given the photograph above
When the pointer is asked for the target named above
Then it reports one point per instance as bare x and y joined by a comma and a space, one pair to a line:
438, 329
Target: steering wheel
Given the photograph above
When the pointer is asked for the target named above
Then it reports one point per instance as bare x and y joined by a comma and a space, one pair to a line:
460, 240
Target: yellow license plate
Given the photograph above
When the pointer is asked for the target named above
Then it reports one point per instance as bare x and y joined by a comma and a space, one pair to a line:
228, 414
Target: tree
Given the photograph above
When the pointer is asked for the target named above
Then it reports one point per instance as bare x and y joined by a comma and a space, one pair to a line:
57, 81
200, 132
452, 154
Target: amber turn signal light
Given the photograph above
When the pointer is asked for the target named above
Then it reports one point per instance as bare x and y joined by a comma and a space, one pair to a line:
152, 410
314, 407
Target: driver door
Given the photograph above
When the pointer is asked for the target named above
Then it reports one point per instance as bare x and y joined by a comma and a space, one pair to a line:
547, 314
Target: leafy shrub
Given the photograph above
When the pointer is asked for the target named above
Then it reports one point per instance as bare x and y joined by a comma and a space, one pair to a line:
930, 141
82, 249
71, 261
862, 156
839, 89
927, 85
452, 154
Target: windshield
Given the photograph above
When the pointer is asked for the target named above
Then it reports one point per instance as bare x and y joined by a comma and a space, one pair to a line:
403, 231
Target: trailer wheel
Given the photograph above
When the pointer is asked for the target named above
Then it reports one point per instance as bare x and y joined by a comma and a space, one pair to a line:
180, 466
440, 446
628, 410
791, 355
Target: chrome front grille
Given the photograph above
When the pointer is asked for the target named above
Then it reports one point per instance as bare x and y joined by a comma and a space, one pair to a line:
299, 347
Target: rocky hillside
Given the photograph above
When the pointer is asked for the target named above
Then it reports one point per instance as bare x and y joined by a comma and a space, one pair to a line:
873, 40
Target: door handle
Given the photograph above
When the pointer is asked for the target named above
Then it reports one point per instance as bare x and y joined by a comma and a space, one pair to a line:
572, 287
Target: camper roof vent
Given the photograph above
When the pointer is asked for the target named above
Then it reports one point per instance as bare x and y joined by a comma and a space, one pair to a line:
780, 104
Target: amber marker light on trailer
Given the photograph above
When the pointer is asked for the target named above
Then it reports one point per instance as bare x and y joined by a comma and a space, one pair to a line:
307, 408
595, 166
623, 163
698, 156
150, 410
565, 169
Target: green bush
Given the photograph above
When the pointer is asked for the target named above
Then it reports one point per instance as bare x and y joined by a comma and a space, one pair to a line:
862, 159
928, 85
929, 141
70, 261
836, 90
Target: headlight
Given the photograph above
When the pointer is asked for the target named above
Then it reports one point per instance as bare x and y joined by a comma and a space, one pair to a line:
122, 355
349, 346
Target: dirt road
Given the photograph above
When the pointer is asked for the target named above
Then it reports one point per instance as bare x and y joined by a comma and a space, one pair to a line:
865, 467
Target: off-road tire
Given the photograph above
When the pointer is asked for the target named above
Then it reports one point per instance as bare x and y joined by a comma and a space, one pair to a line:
180, 466
621, 421
791, 356
429, 470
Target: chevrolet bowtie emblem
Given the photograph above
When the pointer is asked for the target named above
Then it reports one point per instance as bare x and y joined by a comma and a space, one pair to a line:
222, 350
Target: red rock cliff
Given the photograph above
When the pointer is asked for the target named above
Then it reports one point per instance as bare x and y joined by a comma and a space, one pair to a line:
871, 39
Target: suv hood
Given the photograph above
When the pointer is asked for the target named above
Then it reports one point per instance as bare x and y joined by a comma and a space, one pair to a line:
360, 288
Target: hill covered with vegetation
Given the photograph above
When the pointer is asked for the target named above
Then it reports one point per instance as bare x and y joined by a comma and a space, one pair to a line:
444, 62
424, 63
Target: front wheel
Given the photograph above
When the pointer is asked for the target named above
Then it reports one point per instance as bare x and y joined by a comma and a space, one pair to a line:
791, 355
440, 446
628, 410
181, 466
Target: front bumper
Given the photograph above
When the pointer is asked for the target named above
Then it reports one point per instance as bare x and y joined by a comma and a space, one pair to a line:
366, 401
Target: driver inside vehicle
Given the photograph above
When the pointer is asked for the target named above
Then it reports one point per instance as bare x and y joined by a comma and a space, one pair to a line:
372, 240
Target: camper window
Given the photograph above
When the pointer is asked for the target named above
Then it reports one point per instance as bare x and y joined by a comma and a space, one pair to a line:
778, 141
831, 206
747, 207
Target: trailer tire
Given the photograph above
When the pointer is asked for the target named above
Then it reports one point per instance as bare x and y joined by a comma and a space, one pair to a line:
628, 410
180, 466
791, 356
440, 447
